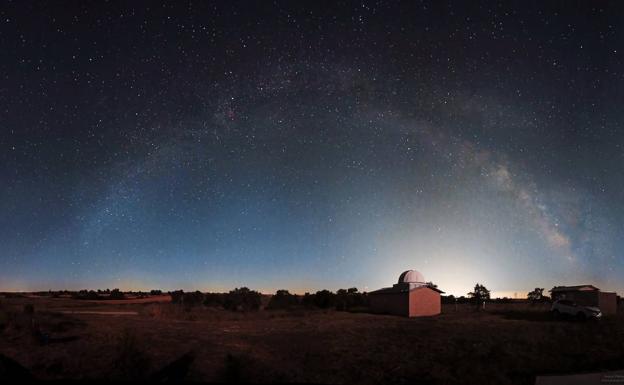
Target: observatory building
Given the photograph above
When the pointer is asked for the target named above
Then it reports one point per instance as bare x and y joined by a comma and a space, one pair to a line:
410, 297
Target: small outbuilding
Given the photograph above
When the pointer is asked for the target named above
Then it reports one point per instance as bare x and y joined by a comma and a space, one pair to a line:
587, 295
410, 297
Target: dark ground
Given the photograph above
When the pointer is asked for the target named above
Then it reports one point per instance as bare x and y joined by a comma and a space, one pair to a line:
507, 344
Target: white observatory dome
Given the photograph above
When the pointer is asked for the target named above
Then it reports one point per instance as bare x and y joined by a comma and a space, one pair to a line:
411, 276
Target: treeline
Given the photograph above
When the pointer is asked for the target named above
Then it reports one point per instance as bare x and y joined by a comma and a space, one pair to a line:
451, 299
239, 299
481, 293
245, 299
97, 294
343, 299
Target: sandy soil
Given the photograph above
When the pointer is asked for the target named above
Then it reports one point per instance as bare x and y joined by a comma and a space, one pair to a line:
504, 345
99, 312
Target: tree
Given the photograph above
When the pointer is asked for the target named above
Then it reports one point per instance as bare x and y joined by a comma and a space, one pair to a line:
448, 299
324, 299
462, 299
350, 298
536, 295
243, 299
479, 295
431, 285
307, 300
86, 294
341, 299
116, 294
282, 300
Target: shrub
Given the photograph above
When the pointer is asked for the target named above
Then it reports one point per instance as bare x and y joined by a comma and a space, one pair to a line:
214, 299
187, 299
308, 300
193, 299
324, 299
282, 300
116, 294
176, 296
350, 299
242, 299
86, 294
448, 299
155, 292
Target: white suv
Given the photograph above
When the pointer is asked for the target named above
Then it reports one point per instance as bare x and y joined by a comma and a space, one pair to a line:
567, 307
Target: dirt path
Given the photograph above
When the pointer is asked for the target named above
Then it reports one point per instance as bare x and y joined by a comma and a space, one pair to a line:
99, 312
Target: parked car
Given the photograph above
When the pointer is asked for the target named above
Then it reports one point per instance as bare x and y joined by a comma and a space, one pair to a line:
567, 307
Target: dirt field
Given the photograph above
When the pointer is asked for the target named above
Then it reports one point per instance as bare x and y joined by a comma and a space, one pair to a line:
506, 344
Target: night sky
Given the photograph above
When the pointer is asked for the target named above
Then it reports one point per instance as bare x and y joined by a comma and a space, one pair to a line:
310, 145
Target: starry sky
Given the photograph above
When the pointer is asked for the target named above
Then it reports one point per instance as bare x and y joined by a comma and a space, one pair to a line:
310, 145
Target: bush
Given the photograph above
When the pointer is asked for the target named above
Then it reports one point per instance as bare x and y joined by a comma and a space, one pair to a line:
447, 299
214, 299
86, 294
308, 300
350, 299
193, 299
324, 299
242, 299
155, 292
282, 300
187, 299
176, 296
116, 294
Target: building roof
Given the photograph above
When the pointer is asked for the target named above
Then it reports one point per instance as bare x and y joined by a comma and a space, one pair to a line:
411, 276
558, 289
408, 280
404, 289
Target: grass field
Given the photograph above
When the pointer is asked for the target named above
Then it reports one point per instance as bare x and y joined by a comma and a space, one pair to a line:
506, 344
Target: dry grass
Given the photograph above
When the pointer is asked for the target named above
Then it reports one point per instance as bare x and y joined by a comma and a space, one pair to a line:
506, 344
130, 360
134, 300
